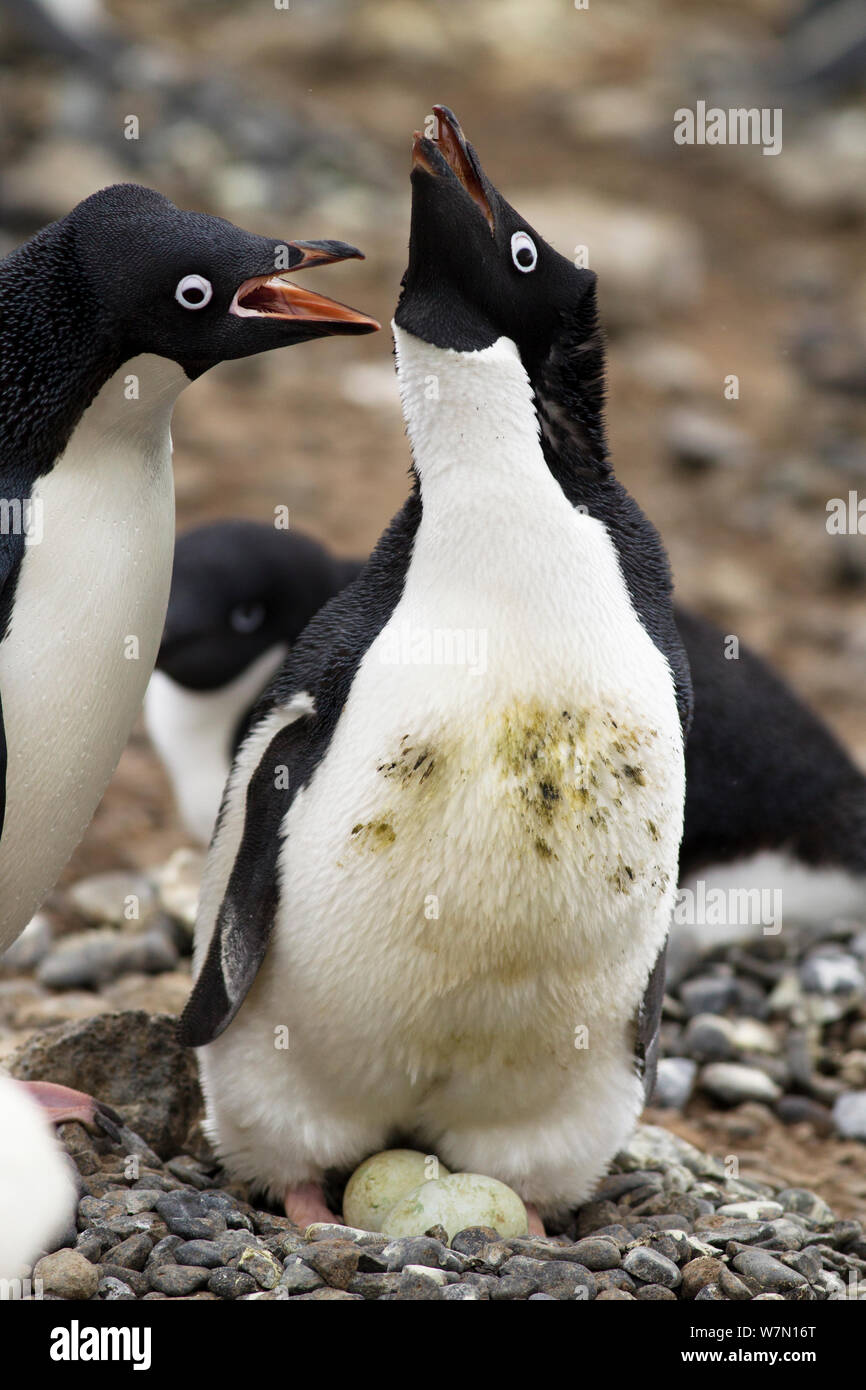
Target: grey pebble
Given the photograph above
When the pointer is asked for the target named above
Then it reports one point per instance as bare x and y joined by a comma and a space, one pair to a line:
231, 1283
132, 1253
675, 1081
205, 1254
651, 1268
734, 1083
849, 1114
297, 1277
596, 1253
114, 1290
770, 1275
707, 994
178, 1280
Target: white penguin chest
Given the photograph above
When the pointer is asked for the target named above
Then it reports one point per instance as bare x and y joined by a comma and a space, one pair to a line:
487, 853
86, 624
476, 828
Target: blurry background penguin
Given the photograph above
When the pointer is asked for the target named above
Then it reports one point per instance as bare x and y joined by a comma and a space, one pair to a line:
732, 291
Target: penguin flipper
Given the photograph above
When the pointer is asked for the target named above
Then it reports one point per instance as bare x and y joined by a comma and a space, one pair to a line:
246, 915
647, 1024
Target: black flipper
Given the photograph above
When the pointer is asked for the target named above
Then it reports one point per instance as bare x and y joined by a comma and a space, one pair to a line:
3, 761
647, 1025
246, 916
11, 552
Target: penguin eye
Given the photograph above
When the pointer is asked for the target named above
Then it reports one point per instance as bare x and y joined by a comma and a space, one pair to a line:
247, 617
193, 292
523, 252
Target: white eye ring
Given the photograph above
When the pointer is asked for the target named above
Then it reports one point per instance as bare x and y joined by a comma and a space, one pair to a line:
199, 285
522, 242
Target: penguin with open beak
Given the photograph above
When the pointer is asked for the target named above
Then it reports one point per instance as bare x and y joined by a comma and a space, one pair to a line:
446, 857
105, 316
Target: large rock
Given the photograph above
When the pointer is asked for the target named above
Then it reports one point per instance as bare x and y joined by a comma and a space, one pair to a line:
131, 1061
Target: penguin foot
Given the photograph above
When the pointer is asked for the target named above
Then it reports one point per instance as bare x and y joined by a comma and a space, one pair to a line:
305, 1204
62, 1103
536, 1225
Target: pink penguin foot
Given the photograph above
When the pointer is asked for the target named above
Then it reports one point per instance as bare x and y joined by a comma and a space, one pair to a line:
536, 1225
305, 1204
61, 1103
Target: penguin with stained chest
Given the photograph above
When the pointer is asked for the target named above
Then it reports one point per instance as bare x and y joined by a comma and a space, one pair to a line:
446, 857
242, 593
105, 316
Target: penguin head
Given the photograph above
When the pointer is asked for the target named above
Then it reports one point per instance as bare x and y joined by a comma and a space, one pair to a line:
477, 270
195, 288
238, 589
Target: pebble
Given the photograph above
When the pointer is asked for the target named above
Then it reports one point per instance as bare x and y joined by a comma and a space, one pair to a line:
651, 1268
805, 1203
849, 1114
132, 1253
92, 958
596, 1253
733, 1083
335, 1260
261, 1266
67, 1274
751, 1211
298, 1277
698, 1273
832, 973
177, 1280
117, 898
206, 1254
768, 1273
675, 1081
707, 994
113, 1290
231, 1283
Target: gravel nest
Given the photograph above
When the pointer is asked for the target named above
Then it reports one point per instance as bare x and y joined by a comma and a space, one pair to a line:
666, 1224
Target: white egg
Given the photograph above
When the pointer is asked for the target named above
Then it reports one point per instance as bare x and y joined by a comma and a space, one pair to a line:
455, 1202
381, 1180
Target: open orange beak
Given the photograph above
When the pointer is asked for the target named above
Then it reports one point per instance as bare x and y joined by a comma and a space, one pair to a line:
275, 297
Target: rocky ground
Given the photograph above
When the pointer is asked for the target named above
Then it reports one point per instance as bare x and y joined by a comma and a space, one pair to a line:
711, 263
666, 1224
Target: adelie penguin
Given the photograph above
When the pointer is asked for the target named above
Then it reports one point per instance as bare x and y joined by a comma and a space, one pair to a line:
242, 593
448, 886
105, 316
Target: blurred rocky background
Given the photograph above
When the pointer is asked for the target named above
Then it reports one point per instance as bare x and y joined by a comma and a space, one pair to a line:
716, 262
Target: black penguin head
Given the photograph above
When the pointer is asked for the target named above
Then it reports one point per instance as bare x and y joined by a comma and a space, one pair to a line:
238, 589
477, 270
195, 288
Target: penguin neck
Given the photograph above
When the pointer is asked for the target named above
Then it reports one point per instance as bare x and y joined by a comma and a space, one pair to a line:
472, 424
